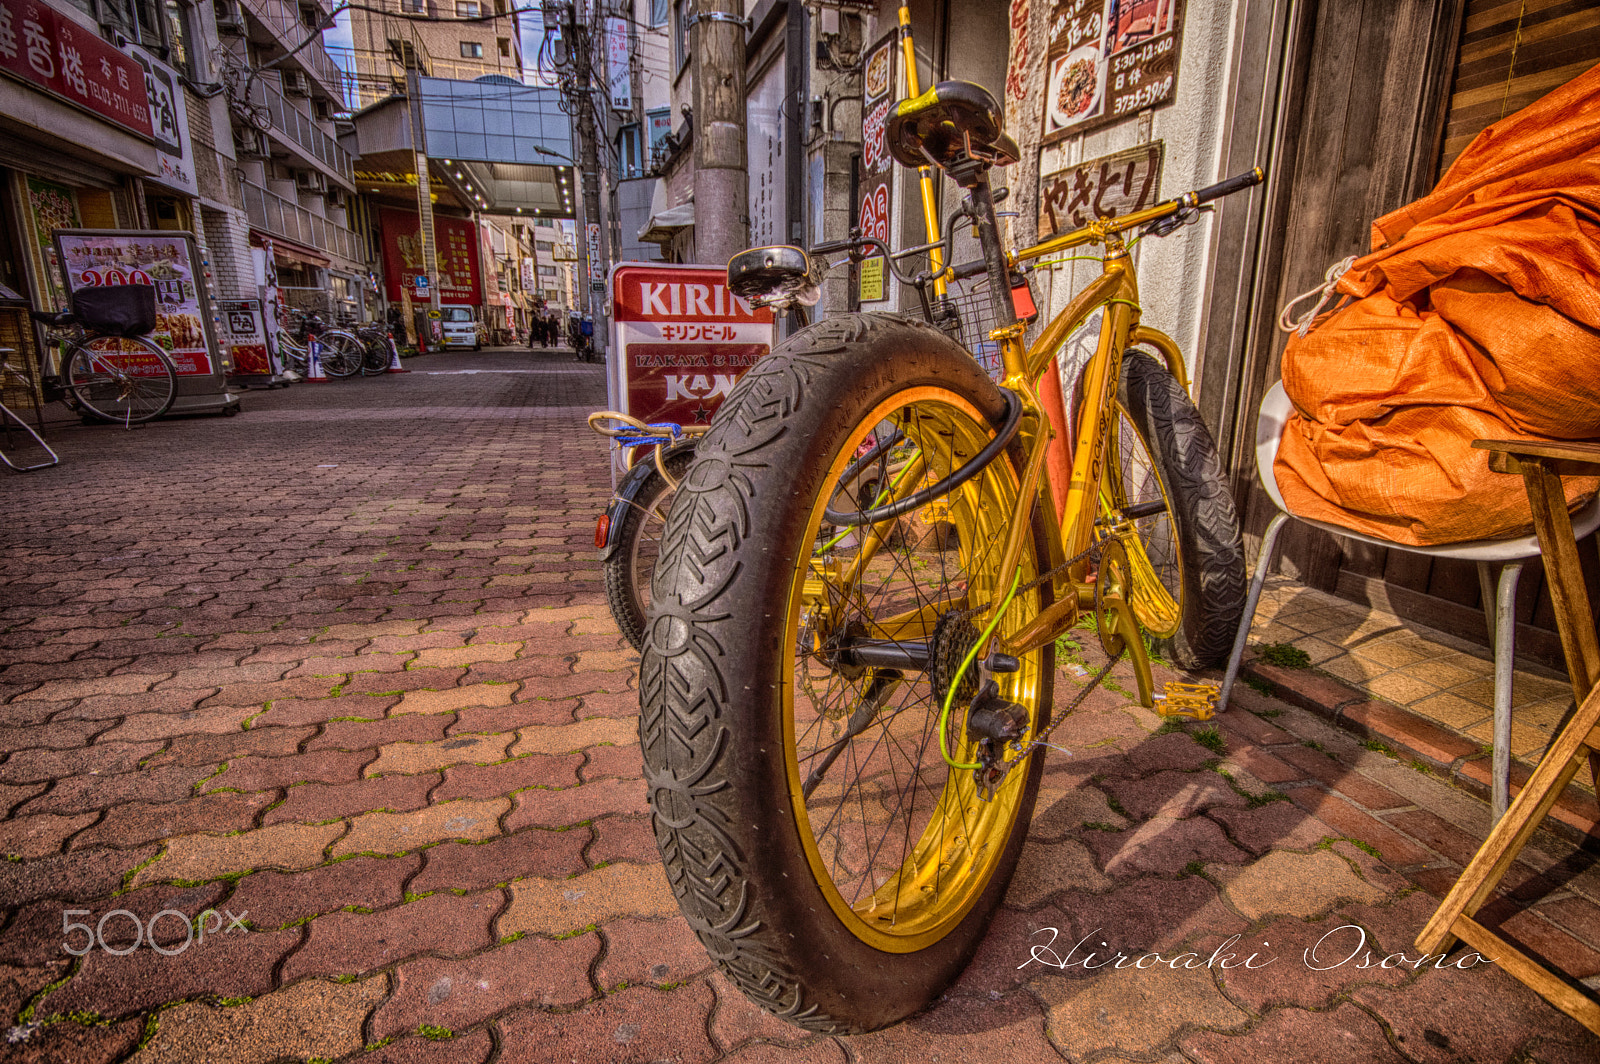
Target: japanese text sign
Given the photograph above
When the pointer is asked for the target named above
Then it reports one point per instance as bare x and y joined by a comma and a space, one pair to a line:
1106, 187
1107, 60
455, 257
161, 259
680, 340
54, 52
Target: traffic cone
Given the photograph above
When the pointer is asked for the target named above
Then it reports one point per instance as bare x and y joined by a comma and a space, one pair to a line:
314, 371
394, 358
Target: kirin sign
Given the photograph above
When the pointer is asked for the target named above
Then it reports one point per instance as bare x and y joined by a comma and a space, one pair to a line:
680, 341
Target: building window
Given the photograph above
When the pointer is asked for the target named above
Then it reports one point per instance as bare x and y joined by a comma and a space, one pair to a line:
658, 12
629, 154
411, 7
467, 9
505, 47
545, 245
680, 40
547, 271
471, 50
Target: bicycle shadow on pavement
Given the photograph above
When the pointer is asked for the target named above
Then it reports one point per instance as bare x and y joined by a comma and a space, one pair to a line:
1171, 898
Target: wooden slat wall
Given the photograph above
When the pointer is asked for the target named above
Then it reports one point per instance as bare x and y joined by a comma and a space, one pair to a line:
1512, 53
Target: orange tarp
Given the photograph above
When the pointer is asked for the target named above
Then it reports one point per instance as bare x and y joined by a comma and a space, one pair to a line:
1476, 316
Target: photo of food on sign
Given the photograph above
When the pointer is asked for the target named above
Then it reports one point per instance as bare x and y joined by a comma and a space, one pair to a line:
1107, 60
163, 260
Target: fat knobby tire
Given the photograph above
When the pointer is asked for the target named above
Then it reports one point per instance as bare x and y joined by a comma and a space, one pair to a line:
1203, 514
713, 661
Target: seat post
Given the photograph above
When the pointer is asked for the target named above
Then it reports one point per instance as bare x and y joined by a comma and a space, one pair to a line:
973, 175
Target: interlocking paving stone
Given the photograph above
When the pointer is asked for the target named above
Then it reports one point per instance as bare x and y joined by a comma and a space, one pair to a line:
425, 757
401, 832
272, 900
346, 943
1133, 1010
202, 857
244, 568
637, 1026
553, 907
460, 993
1293, 884
312, 1019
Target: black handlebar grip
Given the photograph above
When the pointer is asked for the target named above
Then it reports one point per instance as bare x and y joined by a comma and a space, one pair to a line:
1237, 183
968, 269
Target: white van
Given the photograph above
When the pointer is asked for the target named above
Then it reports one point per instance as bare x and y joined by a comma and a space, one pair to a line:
461, 327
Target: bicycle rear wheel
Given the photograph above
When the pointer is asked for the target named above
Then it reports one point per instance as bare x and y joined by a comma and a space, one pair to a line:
831, 861
631, 566
124, 380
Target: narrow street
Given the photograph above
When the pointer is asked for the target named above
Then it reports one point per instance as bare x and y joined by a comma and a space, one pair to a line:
334, 683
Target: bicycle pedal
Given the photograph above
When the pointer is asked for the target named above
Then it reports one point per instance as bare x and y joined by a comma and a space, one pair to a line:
1197, 701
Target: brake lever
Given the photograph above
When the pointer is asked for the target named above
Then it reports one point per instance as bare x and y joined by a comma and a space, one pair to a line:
1173, 222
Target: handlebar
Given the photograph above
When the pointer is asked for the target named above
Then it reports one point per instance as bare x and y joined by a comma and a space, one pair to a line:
1237, 183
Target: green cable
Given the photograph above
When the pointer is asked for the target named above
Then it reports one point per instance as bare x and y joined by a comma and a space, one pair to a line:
955, 681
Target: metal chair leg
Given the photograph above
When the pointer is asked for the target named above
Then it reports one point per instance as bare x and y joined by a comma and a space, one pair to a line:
1505, 637
1486, 589
10, 415
1269, 543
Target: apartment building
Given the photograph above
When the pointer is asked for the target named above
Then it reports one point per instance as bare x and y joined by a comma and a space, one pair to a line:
459, 39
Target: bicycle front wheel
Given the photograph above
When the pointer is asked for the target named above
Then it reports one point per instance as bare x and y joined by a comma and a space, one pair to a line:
793, 676
1164, 476
124, 380
631, 566
374, 356
341, 354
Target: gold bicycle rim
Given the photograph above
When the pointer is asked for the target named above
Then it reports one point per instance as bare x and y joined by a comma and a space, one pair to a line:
946, 849
1157, 582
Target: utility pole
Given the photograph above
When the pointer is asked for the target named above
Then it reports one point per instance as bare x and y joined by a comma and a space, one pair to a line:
591, 233
721, 183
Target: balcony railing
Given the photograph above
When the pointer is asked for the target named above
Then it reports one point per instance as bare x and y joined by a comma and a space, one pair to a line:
302, 130
272, 213
284, 21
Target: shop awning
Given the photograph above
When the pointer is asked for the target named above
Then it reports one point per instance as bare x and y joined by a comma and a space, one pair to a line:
288, 251
664, 225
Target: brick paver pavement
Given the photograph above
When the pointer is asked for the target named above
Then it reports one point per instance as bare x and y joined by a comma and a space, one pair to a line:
341, 670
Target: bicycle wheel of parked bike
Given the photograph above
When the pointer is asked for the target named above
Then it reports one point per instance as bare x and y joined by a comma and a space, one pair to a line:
341, 353
793, 674
632, 564
1163, 474
122, 380
374, 355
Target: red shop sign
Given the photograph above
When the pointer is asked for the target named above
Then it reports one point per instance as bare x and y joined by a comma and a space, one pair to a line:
680, 341
456, 266
55, 53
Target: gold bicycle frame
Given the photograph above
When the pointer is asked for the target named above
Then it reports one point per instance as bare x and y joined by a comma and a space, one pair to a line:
1117, 290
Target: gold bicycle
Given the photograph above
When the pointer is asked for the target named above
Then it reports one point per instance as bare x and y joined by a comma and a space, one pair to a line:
846, 691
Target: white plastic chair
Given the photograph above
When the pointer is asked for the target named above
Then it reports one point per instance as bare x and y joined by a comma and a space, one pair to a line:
1499, 605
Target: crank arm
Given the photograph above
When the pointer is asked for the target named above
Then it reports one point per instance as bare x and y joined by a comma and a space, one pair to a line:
879, 688
1123, 624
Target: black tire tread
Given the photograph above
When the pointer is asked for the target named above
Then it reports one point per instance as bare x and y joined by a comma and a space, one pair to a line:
723, 509
621, 595
1206, 520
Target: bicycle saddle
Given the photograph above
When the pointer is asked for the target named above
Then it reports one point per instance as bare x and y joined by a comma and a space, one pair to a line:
60, 319
953, 122
777, 276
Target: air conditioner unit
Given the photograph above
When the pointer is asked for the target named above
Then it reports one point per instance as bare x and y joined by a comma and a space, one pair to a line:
251, 143
295, 84
230, 18
310, 181
336, 196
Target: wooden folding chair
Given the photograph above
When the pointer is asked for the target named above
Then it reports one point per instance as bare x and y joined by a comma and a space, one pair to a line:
1542, 466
